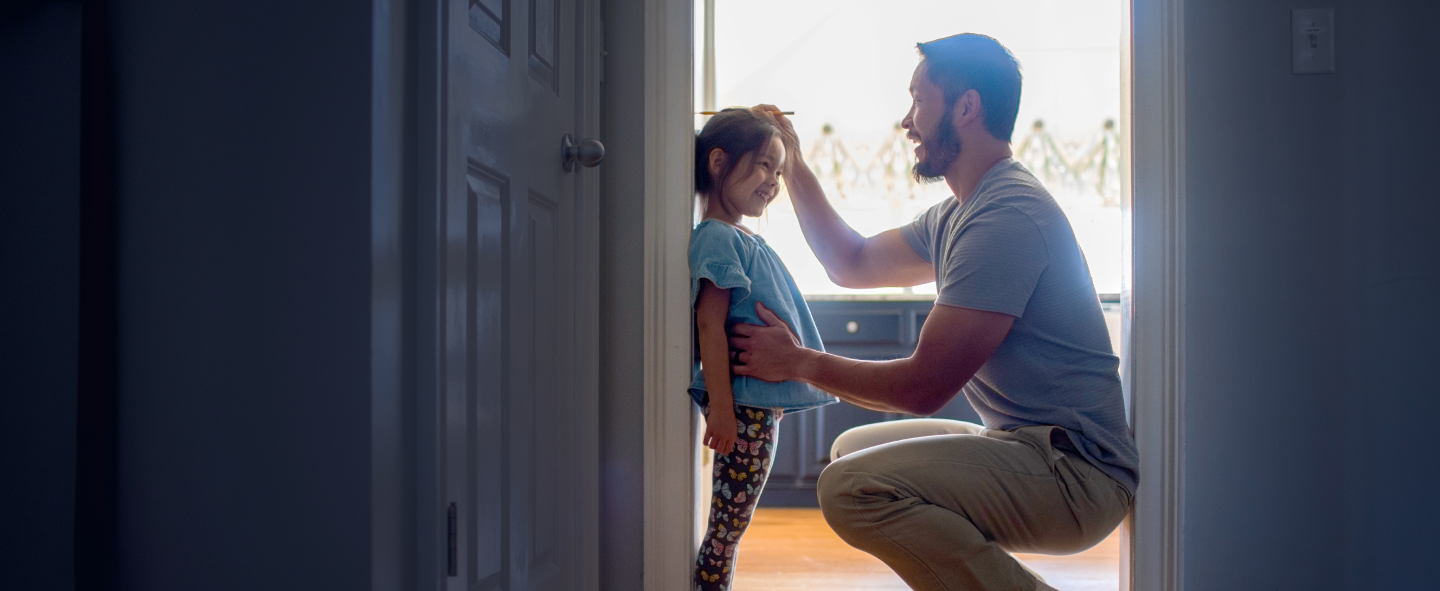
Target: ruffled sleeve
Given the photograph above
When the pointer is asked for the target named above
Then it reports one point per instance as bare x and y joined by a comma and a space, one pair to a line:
719, 253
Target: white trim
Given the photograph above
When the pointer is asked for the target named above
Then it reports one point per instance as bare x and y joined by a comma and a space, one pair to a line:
671, 541
1154, 298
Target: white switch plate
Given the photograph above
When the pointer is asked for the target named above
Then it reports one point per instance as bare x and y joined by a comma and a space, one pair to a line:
1312, 46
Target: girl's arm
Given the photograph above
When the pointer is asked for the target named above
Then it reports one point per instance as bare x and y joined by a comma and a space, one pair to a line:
711, 310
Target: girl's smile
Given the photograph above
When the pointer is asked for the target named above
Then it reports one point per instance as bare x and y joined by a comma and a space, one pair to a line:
753, 185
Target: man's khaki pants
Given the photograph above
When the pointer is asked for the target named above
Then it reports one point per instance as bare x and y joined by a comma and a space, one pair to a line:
941, 501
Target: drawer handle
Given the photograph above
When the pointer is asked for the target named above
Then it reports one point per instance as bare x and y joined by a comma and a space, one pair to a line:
852, 327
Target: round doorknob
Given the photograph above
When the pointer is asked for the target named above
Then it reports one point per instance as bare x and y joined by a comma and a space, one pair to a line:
589, 152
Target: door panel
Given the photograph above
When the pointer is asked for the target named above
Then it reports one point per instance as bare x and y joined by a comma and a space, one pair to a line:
508, 219
491, 18
487, 428
544, 22
538, 380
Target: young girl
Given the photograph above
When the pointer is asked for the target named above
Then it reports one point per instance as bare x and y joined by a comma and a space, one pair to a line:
738, 158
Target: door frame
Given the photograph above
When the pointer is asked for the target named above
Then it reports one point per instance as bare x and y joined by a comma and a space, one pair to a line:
671, 438
1153, 298
1153, 294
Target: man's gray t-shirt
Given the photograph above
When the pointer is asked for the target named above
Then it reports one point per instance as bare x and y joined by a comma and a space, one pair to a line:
1010, 249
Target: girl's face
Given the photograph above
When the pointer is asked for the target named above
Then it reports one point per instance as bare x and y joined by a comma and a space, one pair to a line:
755, 181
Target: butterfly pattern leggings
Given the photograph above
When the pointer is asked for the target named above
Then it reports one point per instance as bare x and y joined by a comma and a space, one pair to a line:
739, 477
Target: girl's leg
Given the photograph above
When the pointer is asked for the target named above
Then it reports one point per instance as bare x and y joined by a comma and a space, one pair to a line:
738, 479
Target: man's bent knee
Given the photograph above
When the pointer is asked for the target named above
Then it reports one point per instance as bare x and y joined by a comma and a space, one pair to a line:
834, 491
875, 434
829, 491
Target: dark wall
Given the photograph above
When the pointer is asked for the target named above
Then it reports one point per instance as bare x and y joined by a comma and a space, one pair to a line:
622, 298
1387, 133
40, 147
243, 193
1311, 322
1264, 362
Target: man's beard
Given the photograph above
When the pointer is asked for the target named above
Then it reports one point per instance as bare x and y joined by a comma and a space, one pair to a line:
940, 152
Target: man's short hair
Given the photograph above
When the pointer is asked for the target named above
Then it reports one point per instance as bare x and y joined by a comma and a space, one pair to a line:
975, 62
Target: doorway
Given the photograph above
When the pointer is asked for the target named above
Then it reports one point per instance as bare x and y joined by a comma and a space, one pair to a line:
843, 68
1150, 124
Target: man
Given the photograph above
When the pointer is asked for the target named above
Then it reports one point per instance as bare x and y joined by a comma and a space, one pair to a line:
1016, 326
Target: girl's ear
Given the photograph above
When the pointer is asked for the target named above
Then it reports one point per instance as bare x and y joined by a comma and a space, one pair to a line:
717, 159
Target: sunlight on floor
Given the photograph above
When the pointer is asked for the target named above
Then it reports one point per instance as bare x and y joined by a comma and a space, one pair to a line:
788, 549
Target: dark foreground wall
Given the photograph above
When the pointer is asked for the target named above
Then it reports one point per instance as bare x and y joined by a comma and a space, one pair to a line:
189, 191
243, 300
1311, 312
40, 153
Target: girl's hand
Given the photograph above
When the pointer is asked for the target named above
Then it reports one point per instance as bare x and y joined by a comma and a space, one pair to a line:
720, 430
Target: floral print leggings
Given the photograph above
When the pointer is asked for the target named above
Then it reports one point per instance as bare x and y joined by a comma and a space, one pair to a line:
739, 477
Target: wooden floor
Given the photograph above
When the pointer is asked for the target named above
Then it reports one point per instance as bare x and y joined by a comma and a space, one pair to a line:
791, 549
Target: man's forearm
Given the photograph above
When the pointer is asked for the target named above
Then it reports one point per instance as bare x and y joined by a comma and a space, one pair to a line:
834, 242
884, 386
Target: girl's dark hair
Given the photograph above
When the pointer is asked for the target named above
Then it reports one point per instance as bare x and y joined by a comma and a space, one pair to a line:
736, 132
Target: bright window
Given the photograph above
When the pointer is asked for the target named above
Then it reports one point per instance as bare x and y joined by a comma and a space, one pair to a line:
844, 67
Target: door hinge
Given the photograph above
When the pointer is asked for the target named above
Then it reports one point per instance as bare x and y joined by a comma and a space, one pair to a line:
452, 552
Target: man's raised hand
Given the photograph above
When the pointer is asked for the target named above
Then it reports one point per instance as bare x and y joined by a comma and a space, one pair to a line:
788, 137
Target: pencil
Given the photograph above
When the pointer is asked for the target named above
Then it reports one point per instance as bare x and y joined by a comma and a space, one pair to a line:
716, 112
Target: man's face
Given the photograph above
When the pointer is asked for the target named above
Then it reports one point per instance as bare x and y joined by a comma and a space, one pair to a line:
930, 126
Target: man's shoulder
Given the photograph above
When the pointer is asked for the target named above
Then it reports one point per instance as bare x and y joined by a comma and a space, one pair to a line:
1015, 192
1011, 181
937, 216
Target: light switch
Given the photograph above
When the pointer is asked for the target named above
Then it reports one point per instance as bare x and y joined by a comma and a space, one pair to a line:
1312, 47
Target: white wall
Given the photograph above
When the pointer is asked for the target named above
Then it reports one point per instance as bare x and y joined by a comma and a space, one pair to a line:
1312, 321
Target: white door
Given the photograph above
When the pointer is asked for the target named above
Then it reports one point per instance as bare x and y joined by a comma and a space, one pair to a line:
516, 279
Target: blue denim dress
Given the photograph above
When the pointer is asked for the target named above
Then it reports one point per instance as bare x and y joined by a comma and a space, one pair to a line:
751, 270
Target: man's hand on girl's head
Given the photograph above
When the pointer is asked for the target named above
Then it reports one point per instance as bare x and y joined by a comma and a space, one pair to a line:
770, 353
788, 137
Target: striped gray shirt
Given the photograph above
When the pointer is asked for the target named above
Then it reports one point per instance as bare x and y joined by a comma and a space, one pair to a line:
1010, 249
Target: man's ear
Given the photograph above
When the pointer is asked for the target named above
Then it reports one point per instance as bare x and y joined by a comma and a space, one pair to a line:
967, 108
717, 162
